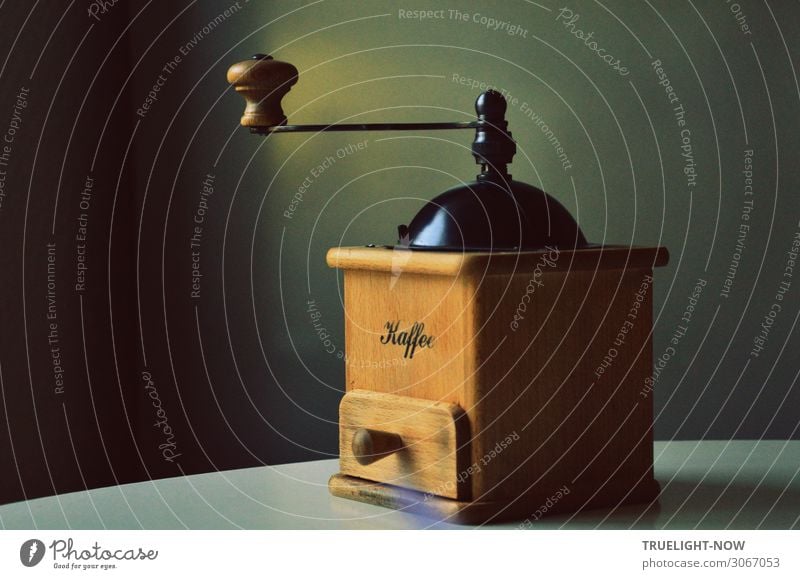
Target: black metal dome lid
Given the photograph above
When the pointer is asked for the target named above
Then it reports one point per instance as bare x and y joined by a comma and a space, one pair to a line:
492, 214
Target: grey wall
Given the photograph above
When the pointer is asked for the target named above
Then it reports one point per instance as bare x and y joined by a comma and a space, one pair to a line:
238, 372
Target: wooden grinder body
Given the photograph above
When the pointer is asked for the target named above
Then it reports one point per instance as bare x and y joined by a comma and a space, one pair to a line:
526, 390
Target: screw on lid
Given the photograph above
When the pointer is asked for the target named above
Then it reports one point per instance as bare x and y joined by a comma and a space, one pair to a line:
492, 215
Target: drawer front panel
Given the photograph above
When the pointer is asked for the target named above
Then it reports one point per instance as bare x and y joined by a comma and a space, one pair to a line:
433, 451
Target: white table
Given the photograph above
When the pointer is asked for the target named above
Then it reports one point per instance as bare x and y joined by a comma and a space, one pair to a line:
705, 485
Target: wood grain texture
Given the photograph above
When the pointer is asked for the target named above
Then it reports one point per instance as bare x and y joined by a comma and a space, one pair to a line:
263, 82
527, 509
540, 383
448, 263
440, 373
548, 361
431, 433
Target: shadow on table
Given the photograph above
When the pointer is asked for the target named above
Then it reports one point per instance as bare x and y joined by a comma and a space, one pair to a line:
686, 504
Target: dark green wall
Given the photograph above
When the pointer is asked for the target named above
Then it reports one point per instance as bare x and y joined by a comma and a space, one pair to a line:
239, 373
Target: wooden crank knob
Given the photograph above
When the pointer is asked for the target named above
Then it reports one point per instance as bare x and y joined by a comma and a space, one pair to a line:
372, 445
263, 82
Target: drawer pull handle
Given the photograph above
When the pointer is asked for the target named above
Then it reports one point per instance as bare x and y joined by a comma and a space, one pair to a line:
372, 445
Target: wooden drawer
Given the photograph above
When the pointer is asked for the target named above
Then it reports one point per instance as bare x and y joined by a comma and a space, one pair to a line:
404, 441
